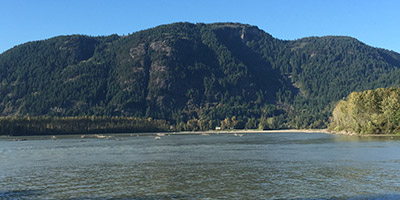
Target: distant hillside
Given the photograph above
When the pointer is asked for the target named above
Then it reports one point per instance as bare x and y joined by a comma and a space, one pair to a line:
196, 76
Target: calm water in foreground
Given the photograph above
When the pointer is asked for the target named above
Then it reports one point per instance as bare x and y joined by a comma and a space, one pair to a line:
224, 166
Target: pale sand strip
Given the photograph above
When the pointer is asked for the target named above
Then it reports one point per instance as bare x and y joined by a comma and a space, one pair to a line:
284, 131
255, 131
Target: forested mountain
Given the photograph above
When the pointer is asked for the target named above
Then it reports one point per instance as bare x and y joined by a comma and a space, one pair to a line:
195, 76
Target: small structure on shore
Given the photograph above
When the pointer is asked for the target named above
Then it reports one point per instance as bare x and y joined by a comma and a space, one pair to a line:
96, 136
19, 139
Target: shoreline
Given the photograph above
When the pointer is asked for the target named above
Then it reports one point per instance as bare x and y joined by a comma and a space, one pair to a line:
254, 131
325, 131
349, 133
233, 131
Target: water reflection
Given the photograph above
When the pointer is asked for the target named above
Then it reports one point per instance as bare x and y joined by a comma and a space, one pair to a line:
255, 166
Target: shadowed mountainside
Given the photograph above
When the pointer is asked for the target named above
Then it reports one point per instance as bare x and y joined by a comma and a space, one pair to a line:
196, 76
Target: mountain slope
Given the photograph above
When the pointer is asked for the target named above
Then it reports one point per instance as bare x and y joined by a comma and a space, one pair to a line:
194, 75
327, 69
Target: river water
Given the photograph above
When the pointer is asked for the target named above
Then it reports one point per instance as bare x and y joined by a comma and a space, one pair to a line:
223, 166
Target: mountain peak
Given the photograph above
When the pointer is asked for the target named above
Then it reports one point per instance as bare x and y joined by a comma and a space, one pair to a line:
192, 74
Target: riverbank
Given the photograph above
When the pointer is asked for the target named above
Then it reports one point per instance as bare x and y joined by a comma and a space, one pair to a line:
209, 132
254, 131
350, 133
116, 136
327, 131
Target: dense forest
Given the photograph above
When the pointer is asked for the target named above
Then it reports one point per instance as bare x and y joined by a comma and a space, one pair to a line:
79, 125
193, 76
50, 125
369, 112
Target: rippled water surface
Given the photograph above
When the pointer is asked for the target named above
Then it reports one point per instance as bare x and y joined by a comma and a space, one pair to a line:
223, 166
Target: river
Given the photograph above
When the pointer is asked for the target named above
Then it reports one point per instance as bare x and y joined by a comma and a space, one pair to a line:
217, 166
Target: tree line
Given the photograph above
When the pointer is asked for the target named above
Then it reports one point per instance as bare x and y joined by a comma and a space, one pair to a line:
45, 125
368, 112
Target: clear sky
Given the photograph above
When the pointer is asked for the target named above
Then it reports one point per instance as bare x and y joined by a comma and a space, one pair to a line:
374, 22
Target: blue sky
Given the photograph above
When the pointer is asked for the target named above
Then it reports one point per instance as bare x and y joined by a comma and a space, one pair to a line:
374, 22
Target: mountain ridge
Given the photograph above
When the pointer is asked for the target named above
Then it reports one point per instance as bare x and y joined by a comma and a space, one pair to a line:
200, 73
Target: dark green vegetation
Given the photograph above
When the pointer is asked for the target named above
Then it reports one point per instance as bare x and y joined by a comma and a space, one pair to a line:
194, 76
369, 112
78, 125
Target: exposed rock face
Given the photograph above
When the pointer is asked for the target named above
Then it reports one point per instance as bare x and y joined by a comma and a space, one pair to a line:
138, 51
161, 46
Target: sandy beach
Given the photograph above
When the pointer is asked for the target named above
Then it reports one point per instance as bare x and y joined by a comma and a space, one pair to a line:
255, 131
347, 133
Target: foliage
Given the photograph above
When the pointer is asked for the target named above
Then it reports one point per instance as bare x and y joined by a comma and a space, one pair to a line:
327, 69
78, 125
369, 112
